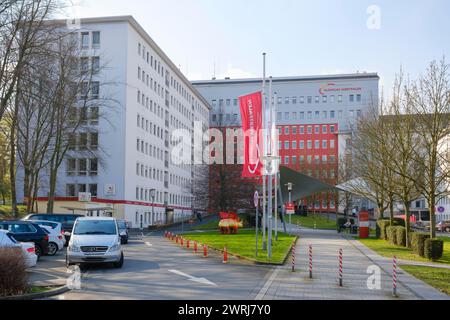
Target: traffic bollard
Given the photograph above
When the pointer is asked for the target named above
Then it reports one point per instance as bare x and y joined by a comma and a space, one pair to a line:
205, 251
188, 244
394, 277
341, 268
310, 262
293, 257
177, 239
195, 247
225, 255
182, 242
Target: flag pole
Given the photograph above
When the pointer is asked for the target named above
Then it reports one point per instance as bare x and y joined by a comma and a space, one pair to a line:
270, 154
275, 154
264, 153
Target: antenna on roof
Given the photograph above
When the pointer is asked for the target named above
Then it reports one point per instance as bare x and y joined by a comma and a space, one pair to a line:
214, 69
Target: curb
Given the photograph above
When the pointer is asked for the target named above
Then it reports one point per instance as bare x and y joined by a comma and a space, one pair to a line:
34, 296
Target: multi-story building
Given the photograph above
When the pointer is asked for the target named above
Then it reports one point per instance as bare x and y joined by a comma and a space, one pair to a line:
133, 176
315, 116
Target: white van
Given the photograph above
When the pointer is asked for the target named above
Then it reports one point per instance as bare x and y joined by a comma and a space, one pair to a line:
95, 240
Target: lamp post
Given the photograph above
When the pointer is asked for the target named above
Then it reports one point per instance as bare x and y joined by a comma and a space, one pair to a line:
152, 195
290, 186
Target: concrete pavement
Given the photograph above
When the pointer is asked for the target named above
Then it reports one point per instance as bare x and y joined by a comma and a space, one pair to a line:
285, 285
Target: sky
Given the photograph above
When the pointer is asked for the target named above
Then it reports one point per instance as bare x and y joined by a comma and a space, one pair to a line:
226, 38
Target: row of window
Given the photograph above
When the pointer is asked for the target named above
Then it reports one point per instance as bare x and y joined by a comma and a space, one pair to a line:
318, 115
318, 160
152, 151
84, 115
82, 167
292, 145
318, 99
318, 174
72, 190
149, 104
90, 40
148, 172
90, 64
149, 127
325, 129
83, 141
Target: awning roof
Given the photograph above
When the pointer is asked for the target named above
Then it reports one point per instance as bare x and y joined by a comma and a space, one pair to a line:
304, 186
88, 209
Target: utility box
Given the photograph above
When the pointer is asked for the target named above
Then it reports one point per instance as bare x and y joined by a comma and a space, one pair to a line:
364, 225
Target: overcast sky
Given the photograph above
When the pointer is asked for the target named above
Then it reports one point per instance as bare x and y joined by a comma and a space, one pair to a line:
300, 37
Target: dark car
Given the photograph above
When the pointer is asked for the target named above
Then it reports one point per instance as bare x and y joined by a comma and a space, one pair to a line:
123, 231
27, 231
443, 226
67, 221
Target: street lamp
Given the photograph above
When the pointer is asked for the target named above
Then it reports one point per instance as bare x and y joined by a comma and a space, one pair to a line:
290, 186
152, 195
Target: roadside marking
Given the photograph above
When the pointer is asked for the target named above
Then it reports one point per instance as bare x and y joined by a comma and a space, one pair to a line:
268, 284
148, 244
194, 279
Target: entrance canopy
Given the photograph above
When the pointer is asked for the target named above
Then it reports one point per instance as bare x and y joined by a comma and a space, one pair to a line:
304, 186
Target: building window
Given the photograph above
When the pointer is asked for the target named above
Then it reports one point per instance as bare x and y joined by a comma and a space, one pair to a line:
317, 99
85, 40
352, 98
286, 145
316, 129
324, 144
294, 100
317, 144
309, 100
302, 116
324, 99
302, 100
324, 129
286, 131
286, 160
294, 145
309, 144
71, 190
71, 167
82, 167
83, 143
93, 139
332, 99
286, 100
358, 98
332, 114
340, 98
302, 145
96, 39
96, 64
309, 129
93, 168
302, 130
332, 144
93, 189
294, 130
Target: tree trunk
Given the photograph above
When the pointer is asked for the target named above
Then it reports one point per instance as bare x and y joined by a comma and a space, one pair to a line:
52, 191
407, 205
432, 219
12, 163
391, 210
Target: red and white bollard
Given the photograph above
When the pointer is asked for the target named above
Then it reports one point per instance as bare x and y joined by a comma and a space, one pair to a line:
293, 257
205, 251
341, 274
177, 239
225, 255
394, 277
188, 244
195, 247
310, 262
182, 242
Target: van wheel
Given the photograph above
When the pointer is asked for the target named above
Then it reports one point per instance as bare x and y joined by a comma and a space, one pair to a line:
119, 264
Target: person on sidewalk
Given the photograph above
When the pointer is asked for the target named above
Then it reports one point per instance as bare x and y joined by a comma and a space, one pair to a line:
347, 225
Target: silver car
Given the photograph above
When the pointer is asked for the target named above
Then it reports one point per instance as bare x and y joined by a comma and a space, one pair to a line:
95, 240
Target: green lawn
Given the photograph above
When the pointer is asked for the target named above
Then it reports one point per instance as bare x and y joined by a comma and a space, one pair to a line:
438, 278
385, 249
211, 225
243, 244
321, 221
39, 289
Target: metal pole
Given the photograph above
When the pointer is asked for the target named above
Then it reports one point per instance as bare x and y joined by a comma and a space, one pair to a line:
275, 152
270, 151
264, 153
257, 230
290, 216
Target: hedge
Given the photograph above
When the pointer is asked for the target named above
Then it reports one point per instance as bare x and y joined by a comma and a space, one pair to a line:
390, 234
433, 249
13, 275
382, 224
418, 242
400, 236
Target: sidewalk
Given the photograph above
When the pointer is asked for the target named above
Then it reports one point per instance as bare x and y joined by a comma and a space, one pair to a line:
285, 285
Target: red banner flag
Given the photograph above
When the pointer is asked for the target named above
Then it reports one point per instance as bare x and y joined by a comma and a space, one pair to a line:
251, 113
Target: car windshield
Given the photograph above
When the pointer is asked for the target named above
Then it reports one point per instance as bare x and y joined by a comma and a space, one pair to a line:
121, 225
95, 228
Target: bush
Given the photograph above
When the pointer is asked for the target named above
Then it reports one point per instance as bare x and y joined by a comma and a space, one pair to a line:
418, 242
400, 236
13, 275
390, 234
399, 222
433, 249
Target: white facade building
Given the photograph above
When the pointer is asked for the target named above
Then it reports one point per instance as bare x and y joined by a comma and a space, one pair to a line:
152, 98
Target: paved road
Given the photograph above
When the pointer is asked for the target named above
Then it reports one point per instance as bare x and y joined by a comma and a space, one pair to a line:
146, 276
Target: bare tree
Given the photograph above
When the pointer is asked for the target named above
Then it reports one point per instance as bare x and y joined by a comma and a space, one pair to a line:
430, 102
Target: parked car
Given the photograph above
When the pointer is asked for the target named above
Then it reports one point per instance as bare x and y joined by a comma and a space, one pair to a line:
25, 231
123, 231
95, 240
56, 240
56, 226
443, 226
26, 248
67, 221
